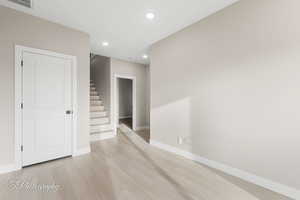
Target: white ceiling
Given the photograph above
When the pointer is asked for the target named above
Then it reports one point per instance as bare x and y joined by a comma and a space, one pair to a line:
122, 22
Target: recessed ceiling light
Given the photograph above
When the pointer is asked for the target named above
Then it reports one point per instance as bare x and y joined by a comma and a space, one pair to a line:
105, 44
150, 15
145, 56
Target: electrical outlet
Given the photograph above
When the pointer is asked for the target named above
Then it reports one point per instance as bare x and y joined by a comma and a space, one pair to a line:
184, 140
180, 140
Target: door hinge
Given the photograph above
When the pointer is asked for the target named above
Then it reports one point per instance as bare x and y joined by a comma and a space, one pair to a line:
21, 105
22, 63
22, 148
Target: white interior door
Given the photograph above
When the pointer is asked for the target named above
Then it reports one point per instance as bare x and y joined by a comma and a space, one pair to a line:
47, 96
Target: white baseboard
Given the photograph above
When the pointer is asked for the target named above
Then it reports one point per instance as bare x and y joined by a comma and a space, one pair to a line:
8, 168
102, 136
14, 167
140, 128
82, 151
271, 185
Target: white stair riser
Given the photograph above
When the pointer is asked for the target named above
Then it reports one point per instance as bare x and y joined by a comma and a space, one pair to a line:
102, 135
94, 98
96, 108
100, 128
98, 114
99, 121
96, 103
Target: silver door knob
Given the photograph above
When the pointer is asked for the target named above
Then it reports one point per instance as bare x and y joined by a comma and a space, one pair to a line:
69, 112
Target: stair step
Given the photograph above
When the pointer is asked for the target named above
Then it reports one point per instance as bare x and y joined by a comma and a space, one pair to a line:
96, 103
94, 98
102, 135
99, 121
96, 108
98, 114
93, 93
92, 89
100, 128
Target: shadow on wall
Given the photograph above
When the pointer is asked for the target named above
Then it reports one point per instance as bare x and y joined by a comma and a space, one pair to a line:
240, 110
233, 85
196, 125
178, 117
234, 119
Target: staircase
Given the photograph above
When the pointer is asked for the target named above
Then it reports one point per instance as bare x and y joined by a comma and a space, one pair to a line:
100, 126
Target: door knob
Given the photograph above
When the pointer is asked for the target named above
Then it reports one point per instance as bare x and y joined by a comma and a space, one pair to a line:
68, 112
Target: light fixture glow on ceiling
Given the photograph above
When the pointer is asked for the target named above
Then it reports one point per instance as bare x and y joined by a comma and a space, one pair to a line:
105, 44
145, 56
150, 15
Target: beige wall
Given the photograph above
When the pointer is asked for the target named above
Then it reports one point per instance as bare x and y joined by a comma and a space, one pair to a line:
100, 74
148, 94
22, 29
125, 68
230, 84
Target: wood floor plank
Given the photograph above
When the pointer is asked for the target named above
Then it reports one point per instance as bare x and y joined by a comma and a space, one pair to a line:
127, 167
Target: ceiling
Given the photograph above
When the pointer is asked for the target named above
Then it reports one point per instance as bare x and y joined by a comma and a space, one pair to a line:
122, 23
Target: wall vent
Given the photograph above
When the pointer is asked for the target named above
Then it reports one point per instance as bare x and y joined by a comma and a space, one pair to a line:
26, 3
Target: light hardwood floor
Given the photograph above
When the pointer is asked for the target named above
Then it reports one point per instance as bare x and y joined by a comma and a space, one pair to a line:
127, 122
144, 134
126, 167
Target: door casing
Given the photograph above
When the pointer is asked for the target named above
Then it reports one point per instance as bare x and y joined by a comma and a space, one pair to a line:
18, 98
116, 114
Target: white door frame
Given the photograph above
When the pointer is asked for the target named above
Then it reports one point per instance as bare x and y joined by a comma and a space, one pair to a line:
116, 115
19, 98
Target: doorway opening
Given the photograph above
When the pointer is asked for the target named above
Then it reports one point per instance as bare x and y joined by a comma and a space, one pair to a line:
125, 107
128, 100
125, 102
